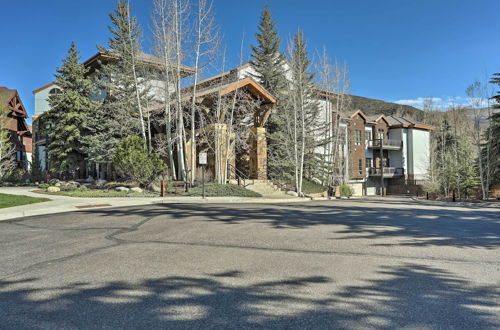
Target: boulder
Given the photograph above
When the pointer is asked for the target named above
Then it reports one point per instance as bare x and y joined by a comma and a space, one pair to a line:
53, 189
136, 189
58, 184
154, 187
72, 183
90, 180
292, 193
101, 182
122, 189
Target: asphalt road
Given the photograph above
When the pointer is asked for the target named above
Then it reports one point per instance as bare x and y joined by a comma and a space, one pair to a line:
318, 265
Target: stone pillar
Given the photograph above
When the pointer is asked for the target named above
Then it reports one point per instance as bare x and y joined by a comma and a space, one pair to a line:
219, 157
258, 153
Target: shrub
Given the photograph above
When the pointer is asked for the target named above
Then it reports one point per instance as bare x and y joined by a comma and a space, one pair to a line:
345, 191
133, 162
43, 186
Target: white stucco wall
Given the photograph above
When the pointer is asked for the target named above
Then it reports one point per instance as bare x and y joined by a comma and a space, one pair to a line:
420, 153
42, 100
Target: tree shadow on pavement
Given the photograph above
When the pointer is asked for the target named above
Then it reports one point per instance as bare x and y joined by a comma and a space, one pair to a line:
417, 226
410, 296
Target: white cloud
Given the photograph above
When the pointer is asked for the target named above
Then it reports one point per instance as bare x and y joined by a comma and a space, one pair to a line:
438, 102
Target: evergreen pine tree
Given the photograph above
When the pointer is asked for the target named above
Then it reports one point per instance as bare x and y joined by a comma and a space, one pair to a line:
267, 61
123, 80
270, 65
67, 116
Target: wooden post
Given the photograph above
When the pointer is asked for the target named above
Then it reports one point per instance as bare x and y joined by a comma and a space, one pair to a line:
203, 180
162, 188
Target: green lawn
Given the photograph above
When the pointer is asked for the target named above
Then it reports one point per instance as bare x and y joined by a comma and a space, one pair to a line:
7, 200
99, 193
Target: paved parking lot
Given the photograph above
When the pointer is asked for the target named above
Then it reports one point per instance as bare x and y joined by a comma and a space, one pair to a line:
332, 264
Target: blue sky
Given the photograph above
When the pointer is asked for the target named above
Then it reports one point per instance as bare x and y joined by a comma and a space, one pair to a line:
396, 49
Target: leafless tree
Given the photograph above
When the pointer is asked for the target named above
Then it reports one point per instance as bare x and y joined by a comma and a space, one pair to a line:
334, 84
164, 47
207, 40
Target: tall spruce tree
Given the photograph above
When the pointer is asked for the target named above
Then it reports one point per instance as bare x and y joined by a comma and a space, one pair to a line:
69, 110
270, 65
267, 61
123, 79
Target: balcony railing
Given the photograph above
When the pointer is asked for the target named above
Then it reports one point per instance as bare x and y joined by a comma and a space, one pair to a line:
388, 171
388, 144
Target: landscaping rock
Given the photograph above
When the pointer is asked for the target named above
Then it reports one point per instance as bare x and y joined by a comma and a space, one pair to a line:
58, 184
90, 180
136, 189
101, 182
122, 189
72, 183
53, 189
292, 193
154, 187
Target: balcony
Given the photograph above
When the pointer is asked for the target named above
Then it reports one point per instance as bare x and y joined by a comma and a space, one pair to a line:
389, 172
388, 144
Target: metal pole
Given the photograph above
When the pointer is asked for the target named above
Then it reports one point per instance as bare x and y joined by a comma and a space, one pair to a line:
203, 181
382, 193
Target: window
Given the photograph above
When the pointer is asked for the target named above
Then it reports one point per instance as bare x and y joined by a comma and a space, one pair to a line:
357, 137
360, 166
54, 91
381, 133
369, 162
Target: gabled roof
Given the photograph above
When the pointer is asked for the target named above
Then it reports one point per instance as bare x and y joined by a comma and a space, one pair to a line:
251, 85
45, 87
361, 113
374, 119
10, 97
223, 74
395, 122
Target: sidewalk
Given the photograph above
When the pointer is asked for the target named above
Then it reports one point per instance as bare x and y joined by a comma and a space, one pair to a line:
60, 204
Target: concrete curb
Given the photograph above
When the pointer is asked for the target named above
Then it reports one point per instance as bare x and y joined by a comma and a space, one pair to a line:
62, 204
459, 204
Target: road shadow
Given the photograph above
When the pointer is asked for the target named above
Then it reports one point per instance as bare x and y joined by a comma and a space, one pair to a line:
416, 226
409, 296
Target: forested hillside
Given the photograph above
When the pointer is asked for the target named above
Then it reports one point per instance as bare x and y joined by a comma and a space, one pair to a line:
373, 106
